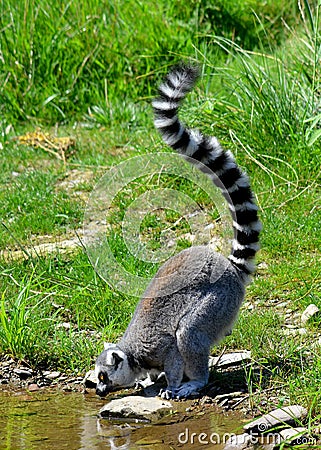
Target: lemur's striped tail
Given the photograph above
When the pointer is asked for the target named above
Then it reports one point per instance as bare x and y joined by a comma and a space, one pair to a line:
233, 183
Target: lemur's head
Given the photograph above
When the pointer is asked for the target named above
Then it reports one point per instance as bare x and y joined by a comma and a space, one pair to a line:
112, 370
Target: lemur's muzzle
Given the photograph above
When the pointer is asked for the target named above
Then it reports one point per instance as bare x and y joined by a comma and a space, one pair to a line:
102, 389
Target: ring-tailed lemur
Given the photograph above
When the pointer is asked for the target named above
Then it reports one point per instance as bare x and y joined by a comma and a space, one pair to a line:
174, 332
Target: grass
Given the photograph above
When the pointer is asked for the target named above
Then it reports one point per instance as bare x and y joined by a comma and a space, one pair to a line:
63, 60
90, 74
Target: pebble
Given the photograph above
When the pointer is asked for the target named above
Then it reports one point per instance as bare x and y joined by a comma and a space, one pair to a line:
33, 387
311, 311
281, 305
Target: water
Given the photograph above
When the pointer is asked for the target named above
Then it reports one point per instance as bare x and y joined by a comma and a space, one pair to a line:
48, 420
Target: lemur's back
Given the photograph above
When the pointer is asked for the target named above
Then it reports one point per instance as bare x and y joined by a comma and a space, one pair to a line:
196, 289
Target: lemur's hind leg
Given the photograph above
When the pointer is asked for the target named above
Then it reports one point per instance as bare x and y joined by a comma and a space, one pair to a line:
194, 347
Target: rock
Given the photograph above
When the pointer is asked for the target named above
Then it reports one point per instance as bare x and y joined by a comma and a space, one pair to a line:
295, 436
289, 415
262, 266
239, 442
229, 359
90, 380
310, 311
248, 306
137, 408
51, 375
33, 387
23, 373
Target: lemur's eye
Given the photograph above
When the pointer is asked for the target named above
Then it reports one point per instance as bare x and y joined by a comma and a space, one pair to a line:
101, 377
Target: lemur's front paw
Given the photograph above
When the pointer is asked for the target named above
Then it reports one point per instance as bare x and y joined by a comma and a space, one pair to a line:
168, 393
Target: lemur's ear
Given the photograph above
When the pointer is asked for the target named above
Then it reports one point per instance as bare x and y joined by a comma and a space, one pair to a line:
114, 358
110, 360
117, 359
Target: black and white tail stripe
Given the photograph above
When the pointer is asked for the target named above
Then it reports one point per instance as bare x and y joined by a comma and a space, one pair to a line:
231, 180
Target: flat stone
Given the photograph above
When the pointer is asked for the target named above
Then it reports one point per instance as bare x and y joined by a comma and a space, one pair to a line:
289, 415
311, 311
52, 375
229, 359
136, 408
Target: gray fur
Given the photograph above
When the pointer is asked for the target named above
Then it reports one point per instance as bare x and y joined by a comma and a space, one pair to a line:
174, 333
